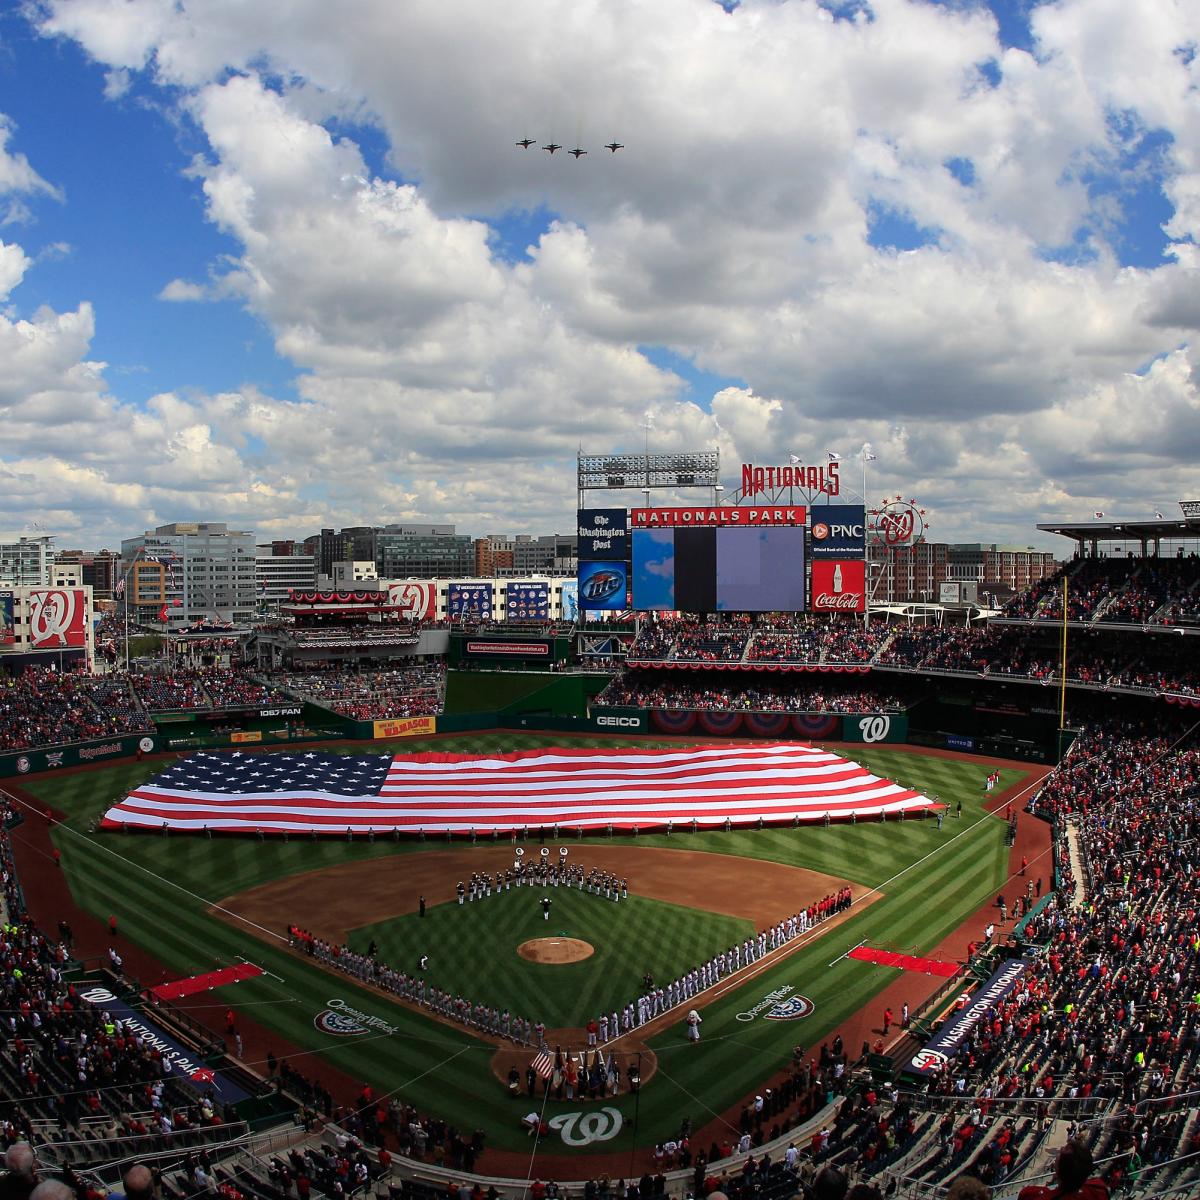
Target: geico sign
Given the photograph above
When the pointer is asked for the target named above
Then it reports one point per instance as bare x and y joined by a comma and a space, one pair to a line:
621, 722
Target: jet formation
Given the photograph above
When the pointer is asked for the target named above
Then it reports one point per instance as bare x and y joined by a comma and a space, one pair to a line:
577, 153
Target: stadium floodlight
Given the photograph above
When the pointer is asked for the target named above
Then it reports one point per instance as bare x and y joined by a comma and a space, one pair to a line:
1191, 509
640, 471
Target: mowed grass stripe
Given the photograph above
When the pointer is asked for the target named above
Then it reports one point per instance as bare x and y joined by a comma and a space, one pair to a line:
630, 938
732, 1057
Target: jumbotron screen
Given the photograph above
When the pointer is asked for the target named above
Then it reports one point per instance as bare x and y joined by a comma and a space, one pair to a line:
723, 569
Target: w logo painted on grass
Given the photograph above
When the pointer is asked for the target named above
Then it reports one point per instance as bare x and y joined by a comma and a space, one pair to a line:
582, 1129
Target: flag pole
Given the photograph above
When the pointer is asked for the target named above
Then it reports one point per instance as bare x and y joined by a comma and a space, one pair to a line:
1062, 691
866, 551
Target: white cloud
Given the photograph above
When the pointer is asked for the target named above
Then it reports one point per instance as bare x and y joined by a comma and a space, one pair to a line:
437, 378
182, 291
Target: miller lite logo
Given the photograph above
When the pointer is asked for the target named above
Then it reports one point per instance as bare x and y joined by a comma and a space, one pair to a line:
602, 585
56, 617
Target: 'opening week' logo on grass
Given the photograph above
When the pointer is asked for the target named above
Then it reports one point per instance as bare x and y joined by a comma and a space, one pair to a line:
340, 1020
779, 1005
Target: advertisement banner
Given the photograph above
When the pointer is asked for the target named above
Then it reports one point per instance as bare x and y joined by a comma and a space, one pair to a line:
948, 593
570, 599
515, 649
839, 585
8, 633
603, 585
948, 1041
621, 720
181, 1062
28, 762
469, 600
838, 530
404, 727
603, 533
876, 727
248, 735
416, 600
57, 618
669, 518
527, 601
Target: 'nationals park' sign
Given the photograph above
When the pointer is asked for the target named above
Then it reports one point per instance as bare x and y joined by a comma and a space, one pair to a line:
673, 518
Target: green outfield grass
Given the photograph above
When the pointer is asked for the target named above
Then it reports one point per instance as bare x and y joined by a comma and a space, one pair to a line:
160, 888
630, 938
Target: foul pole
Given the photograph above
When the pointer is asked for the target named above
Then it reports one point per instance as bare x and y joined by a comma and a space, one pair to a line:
1062, 688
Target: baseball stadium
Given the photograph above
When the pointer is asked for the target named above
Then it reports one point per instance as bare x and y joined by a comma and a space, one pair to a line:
730, 875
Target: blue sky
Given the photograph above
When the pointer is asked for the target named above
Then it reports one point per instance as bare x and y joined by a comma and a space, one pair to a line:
923, 226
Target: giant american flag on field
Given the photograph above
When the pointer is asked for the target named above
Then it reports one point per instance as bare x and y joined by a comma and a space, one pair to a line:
571, 788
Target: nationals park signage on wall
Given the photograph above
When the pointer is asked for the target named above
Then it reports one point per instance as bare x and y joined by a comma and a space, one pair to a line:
708, 515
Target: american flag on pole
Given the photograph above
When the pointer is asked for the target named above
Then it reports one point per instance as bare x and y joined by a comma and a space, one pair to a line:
543, 1065
627, 788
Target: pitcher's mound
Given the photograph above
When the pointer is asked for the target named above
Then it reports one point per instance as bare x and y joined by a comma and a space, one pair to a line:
556, 950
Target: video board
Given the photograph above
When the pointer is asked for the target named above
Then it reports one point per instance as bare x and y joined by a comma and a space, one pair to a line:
725, 568
8, 633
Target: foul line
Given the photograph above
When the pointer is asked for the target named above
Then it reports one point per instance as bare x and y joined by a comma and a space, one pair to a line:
96, 844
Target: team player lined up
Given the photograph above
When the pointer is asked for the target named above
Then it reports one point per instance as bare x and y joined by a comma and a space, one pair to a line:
654, 1001
499, 1022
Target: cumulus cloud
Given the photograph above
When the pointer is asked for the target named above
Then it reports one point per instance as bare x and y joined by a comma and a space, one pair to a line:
994, 350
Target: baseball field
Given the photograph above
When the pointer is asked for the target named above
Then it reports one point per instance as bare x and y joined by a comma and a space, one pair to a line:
195, 904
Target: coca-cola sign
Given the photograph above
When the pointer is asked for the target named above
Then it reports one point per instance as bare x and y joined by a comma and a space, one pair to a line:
839, 585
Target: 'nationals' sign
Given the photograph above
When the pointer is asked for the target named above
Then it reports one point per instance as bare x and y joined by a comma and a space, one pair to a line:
759, 480
669, 518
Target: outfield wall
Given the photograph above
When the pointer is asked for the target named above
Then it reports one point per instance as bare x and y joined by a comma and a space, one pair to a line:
75, 754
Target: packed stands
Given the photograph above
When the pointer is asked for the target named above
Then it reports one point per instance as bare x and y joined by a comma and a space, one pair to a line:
70, 1073
648, 689
41, 707
201, 689
1130, 591
416, 689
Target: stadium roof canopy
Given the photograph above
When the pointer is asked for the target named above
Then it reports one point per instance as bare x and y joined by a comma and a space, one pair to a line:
1125, 531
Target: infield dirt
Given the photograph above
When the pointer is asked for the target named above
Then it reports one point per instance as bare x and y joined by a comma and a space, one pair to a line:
334, 900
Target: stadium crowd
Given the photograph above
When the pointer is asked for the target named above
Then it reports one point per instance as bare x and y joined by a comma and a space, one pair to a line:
42, 707
1133, 591
369, 694
648, 689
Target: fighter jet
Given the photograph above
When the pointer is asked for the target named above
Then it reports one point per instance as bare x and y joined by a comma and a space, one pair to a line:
577, 152
525, 143
614, 146
552, 147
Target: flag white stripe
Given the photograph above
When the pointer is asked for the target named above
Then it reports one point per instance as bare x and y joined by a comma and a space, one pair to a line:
773, 783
